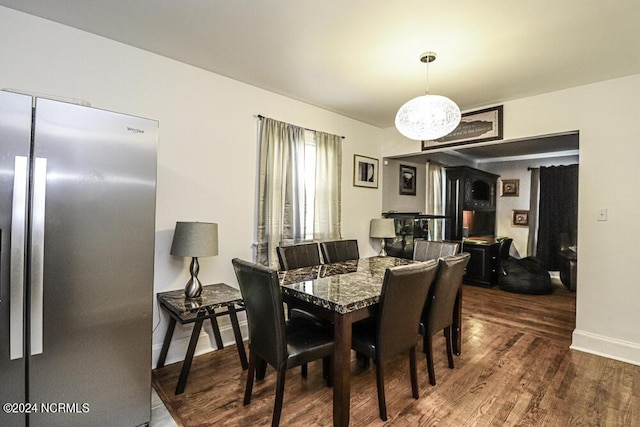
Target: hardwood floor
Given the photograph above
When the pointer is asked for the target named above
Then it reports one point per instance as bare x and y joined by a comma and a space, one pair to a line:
515, 369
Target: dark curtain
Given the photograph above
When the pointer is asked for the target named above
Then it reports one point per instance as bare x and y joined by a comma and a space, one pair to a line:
558, 213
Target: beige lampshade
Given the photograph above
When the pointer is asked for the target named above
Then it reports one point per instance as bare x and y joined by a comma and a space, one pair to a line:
382, 228
195, 239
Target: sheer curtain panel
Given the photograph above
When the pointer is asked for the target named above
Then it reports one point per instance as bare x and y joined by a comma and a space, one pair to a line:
534, 200
328, 179
299, 181
435, 199
281, 191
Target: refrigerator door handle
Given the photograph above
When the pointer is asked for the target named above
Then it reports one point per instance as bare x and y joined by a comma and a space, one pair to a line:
37, 253
16, 274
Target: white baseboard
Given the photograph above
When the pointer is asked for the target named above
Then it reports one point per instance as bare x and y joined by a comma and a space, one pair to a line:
624, 351
206, 343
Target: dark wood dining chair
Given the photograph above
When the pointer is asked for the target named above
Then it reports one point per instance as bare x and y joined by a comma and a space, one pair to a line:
438, 311
273, 340
424, 250
339, 250
394, 329
298, 256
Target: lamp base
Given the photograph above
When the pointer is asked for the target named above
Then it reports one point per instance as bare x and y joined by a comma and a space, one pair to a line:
193, 289
383, 252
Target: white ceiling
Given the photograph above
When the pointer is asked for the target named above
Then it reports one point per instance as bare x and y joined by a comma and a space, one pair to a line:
359, 58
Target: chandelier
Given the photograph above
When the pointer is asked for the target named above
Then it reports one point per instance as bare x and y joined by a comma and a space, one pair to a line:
427, 117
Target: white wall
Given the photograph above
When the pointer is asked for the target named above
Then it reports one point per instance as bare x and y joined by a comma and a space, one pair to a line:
607, 116
207, 145
391, 197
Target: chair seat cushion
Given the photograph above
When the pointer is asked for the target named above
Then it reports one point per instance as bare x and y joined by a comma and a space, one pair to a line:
307, 341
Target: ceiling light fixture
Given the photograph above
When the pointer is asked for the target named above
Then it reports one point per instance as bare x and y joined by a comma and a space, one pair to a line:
427, 117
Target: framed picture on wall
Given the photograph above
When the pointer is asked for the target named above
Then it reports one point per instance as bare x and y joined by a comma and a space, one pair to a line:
520, 218
407, 180
365, 171
475, 126
510, 188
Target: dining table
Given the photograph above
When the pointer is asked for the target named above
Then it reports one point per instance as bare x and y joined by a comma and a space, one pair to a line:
343, 293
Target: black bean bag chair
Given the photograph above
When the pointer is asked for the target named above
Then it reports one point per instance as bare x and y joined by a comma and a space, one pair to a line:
522, 276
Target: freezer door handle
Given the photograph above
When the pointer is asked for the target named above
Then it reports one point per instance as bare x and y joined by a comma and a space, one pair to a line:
37, 253
16, 274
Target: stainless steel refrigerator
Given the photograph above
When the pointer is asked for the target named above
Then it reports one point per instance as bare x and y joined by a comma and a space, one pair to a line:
77, 226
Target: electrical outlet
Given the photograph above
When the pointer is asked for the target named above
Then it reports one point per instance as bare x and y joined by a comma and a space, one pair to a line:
602, 215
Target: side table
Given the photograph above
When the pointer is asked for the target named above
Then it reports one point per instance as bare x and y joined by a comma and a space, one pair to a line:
197, 310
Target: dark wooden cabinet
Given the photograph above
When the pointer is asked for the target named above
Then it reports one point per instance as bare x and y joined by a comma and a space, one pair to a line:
471, 205
483, 264
470, 202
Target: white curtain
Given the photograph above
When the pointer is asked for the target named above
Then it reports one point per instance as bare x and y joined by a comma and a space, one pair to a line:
281, 191
284, 205
534, 201
328, 181
435, 199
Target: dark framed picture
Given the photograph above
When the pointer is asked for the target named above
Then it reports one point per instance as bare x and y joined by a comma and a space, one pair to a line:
475, 126
510, 188
520, 218
407, 180
365, 171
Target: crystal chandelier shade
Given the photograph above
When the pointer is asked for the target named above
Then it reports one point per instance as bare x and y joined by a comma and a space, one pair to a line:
427, 117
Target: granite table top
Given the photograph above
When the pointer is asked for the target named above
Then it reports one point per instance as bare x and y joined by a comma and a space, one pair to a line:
212, 297
342, 287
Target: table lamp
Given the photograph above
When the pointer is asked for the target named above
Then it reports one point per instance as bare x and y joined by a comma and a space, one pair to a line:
195, 239
382, 228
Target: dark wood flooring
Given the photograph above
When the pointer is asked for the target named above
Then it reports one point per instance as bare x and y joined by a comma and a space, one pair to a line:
516, 368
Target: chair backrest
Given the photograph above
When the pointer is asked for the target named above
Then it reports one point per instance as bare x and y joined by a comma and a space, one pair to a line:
404, 293
265, 315
298, 256
439, 308
504, 247
339, 250
424, 250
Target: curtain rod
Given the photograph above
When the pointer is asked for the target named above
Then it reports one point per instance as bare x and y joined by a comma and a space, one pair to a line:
260, 117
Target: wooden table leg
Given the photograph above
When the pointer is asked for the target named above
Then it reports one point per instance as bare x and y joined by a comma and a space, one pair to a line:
342, 369
186, 365
216, 329
238, 335
166, 343
457, 324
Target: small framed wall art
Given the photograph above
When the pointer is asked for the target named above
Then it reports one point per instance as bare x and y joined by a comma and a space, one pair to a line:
365, 171
520, 218
407, 180
510, 188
